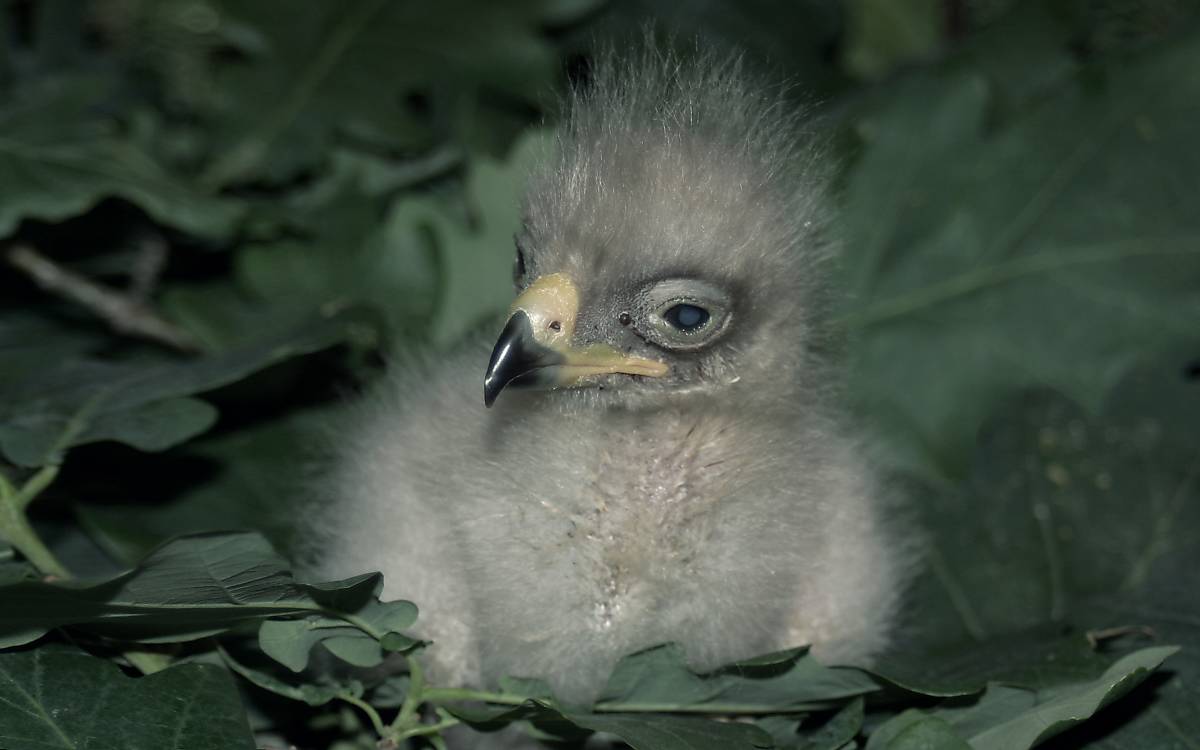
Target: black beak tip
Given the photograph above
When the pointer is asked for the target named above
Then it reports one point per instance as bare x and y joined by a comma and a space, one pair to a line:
508, 357
516, 359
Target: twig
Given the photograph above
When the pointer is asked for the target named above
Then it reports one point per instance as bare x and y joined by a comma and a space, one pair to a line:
1095, 637
147, 267
124, 313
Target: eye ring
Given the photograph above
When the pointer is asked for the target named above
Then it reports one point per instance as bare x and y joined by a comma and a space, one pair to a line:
686, 317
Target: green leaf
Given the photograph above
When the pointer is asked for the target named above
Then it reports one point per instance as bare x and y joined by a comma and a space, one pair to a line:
658, 679
913, 730
1048, 245
314, 694
56, 698
839, 730
1007, 719
664, 732
944, 664
59, 158
289, 642
654, 676
783, 730
46, 409
191, 588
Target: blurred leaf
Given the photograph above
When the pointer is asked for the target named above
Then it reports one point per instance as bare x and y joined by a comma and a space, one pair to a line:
793, 39
431, 272
1076, 523
57, 698
191, 588
885, 34
353, 254
345, 69
60, 155
48, 404
12, 570
475, 261
1052, 248
254, 487
1044, 524
1025, 55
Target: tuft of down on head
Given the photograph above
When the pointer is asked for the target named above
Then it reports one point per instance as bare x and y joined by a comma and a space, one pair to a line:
693, 172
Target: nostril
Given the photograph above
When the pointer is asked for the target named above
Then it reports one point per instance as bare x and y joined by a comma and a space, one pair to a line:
555, 325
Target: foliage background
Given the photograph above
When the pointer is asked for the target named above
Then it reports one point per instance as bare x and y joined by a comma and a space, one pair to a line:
218, 218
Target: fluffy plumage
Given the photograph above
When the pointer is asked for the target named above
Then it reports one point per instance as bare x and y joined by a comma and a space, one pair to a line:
719, 505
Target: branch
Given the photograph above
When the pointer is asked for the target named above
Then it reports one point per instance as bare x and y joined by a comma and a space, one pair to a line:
124, 313
147, 267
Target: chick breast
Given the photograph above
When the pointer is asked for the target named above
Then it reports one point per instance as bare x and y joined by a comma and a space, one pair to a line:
544, 538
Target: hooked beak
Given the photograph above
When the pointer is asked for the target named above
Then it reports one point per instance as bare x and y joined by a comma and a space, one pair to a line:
535, 348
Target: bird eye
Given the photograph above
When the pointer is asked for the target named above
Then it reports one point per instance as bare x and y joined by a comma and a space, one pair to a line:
687, 318
682, 314
519, 268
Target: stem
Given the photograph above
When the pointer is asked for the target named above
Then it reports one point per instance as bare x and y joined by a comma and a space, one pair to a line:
430, 730
442, 695
408, 718
376, 721
34, 485
15, 528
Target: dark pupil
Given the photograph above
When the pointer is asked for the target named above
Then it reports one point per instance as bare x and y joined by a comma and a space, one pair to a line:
687, 318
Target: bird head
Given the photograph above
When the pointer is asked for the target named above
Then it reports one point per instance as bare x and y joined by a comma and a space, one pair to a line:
669, 248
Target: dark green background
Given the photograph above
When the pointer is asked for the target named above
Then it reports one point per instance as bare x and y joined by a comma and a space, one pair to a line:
1018, 306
